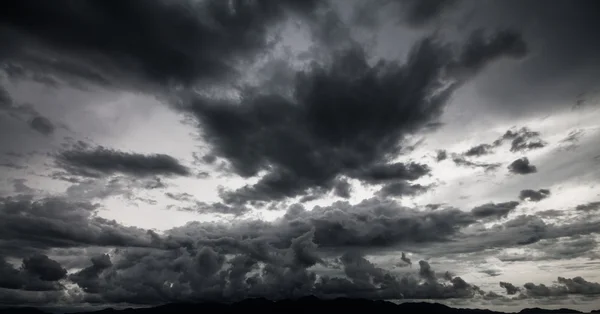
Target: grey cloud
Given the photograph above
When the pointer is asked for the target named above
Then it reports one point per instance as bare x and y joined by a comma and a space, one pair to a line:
306, 141
401, 188
342, 189
42, 125
552, 240
478, 150
179, 196
522, 166
103, 161
592, 206
56, 41
565, 286
420, 12
522, 139
461, 161
533, 195
563, 62
88, 278
494, 209
412, 13
510, 288
38, 273
371, 223
5, 98
441, 155
28, 226
405, 259
43, 267
20, 186
152, 276
388, 172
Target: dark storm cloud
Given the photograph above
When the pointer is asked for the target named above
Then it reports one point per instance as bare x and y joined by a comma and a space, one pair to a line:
412, 13
205, 273
43, 267
533, 195
103, 161
306, 141
420, 12
522, 166
5, 98
32, 225
88, 278
42, 125
129, 44
38, 273
592, 206
494, 209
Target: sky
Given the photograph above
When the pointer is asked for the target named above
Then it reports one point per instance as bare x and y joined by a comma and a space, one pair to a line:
191, 150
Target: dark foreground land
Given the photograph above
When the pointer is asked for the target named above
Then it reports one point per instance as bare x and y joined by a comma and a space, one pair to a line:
304, 305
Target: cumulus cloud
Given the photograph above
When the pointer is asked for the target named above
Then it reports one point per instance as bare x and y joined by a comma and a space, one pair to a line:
522, 166
103, 161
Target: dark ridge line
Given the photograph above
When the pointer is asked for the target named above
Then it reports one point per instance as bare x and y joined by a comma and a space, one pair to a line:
312, 305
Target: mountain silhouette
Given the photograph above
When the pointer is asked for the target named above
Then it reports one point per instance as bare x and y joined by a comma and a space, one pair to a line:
310, 305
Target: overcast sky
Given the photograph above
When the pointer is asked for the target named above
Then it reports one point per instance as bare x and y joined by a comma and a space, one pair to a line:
164, 151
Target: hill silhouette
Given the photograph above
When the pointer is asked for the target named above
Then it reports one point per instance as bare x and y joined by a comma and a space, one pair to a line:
310, 305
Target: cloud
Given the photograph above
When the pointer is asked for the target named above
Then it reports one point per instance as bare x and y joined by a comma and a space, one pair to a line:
38, 273
342, 189
478, 150
29, 226
124, 47
510, 288
494, 210
103, 161
418, 13
522, 139
550, 240
441, 155
42, 125
150, 277
522, 166
565, 286
411, 13
88, 278
461, 161
533, 195
401, 188
592, 206
294, 140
